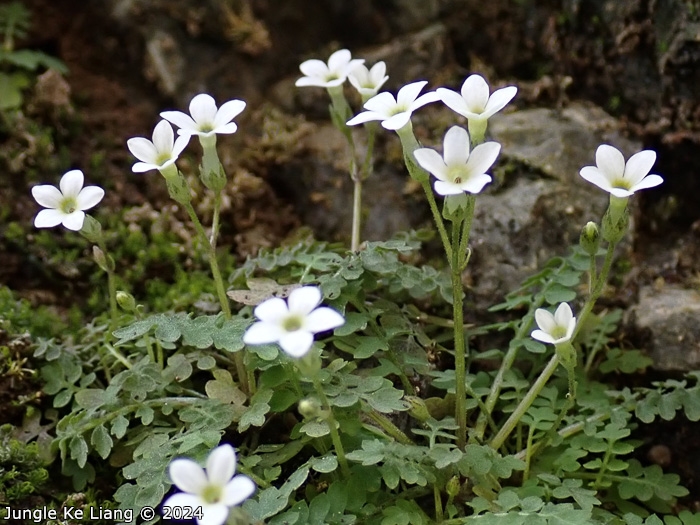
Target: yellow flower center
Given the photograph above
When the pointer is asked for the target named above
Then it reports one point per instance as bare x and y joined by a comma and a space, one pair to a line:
68, 205
212, 493
292, 323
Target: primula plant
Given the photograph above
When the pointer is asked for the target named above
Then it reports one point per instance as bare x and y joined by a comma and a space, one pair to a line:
339, 384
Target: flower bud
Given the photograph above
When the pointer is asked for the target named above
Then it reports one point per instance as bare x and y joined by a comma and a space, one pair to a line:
418, 408
103, 261
590, 238
126, 301
310, 408
453, 486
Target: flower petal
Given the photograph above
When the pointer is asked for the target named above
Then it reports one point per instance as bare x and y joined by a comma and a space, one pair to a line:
408, 94
397, 121
499, 99
74, 221
213, 514
180, 119
262, 333
71, 183
203, 109
48, 218
596, 176
47, 195
431, 161
313, 68
322, 319
648, 182
447, 188
639, 165
180, 144
483, 157
338, 60
228, 112
183, 499
143, 149
384, 104
474, 184
545, 320
272, 310
187, 475
610, 161
454, 101
456, 146
542, 336
297, 344
221, 465
303, 300
475, 92
424, 99
563, 314
365, 116
89, 196
142, 167
238, 490
163, 137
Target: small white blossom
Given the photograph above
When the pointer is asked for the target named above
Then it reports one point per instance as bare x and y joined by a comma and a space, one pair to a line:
294, 322
66, 205
474, 101
368, 81
457, 170
160, 153
215, 489
206, 120
318, 73
395, 113
621, 179
557, 328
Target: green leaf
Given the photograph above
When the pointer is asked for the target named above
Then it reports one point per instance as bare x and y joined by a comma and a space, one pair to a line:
255, 415
102, 441
557, 293
78, 450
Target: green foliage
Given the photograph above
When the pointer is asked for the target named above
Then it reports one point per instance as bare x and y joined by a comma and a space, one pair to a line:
14, 22
22, 471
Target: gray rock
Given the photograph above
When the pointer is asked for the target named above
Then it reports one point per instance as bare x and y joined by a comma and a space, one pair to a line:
538, 208
670, 316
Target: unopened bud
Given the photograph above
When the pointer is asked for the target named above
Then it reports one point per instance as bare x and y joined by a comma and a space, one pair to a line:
453, 487
126, 301
103, 260
590, 238
310, 408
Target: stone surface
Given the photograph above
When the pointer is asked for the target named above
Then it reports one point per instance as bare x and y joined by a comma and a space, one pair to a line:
669, 316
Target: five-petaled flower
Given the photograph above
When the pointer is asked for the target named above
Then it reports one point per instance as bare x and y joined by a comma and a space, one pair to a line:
475, 103
557, 328
66, 205
395, 113
368, 81
318, 73
206, 120
458, 170
621, 179
214, 490
160, 153
293, 323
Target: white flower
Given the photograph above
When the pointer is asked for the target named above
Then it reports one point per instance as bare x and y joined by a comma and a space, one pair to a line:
214, 490
66, 206
459, 171
619, 179
292, 324
557, 328
368, 81
474, 101
395, 113
162, 152
333, 74
206, 119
